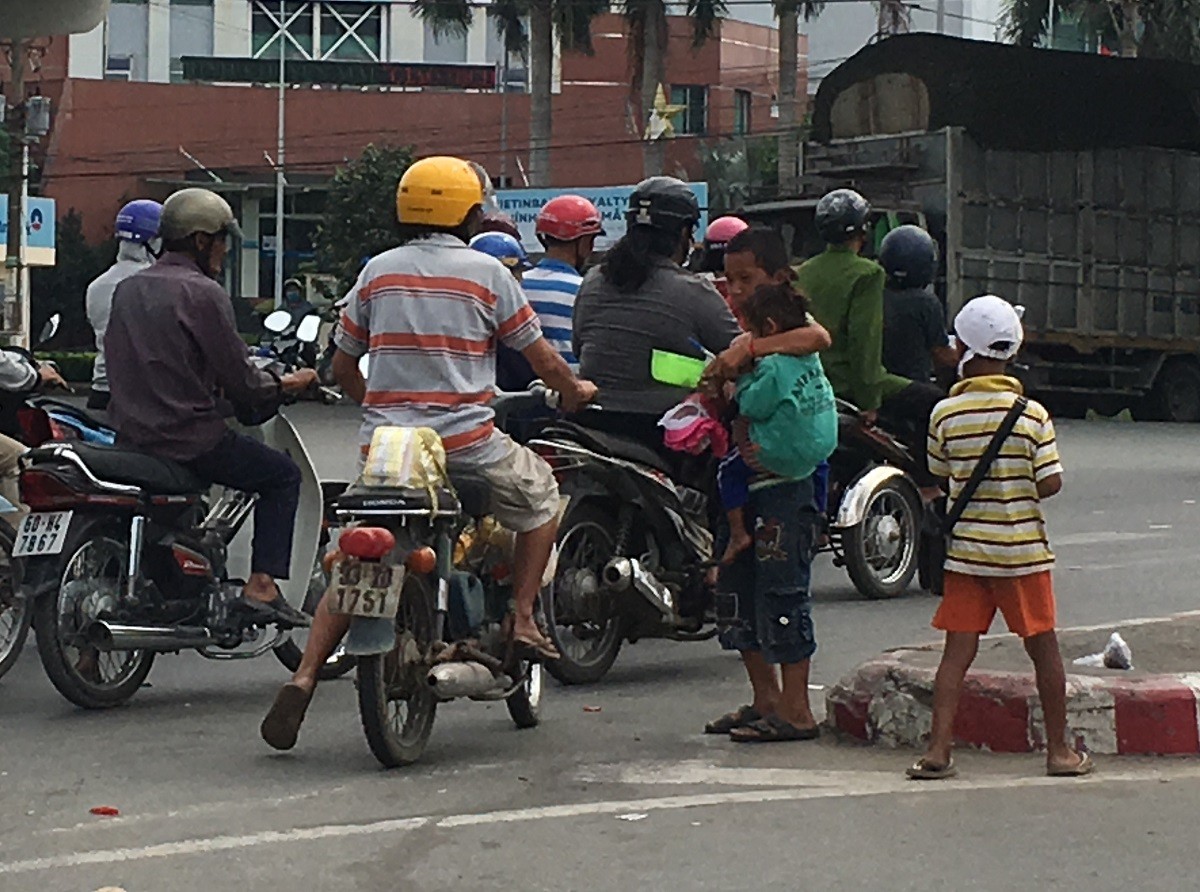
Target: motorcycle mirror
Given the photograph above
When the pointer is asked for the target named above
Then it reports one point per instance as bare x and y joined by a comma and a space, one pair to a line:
364, 365
309, 328
278, 321
50, 329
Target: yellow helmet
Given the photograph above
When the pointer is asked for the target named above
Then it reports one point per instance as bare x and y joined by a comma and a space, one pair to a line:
438, 191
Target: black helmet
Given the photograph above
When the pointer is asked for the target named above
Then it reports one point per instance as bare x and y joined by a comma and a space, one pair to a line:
909, 256
664, 203
841, 215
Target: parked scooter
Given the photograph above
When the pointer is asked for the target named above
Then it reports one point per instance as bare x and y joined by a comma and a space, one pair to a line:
126, 557
635, 545
426, 579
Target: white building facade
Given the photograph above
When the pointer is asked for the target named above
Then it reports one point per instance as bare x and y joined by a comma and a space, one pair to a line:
144, 40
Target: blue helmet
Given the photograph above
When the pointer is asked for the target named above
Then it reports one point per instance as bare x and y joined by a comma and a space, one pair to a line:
909, 256
138, 221
504, 248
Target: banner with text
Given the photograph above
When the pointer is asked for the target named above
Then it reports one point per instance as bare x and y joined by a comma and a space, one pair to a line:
39, 231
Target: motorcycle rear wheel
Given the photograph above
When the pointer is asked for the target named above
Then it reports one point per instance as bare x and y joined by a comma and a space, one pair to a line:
881, 552
15, 616
395, 703
586, 542
86, 677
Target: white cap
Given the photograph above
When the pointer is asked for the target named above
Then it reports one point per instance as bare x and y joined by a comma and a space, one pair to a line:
989, 326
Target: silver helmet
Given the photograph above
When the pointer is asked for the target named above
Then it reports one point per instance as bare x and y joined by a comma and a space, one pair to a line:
196, 210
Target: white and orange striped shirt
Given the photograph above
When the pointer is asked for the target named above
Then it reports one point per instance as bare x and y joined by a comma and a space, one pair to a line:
429, 313
1002, 532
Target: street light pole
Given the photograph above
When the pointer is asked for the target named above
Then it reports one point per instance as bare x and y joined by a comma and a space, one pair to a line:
279, 159
14, 312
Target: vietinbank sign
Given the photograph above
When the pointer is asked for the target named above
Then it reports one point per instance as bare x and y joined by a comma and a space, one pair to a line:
39, 231
612, 202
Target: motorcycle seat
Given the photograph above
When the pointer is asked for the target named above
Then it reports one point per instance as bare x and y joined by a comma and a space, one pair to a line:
471, 495
157, 475
612, 445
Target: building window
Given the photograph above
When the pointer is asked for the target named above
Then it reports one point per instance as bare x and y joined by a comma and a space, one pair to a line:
742, 100
118, 68
320, 31
447, 46
127, 40
191, 32
694, 99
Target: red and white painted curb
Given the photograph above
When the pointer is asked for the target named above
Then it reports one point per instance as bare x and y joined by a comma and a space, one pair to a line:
888, 701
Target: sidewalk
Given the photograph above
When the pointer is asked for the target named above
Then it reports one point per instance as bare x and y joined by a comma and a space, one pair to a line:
1150, 710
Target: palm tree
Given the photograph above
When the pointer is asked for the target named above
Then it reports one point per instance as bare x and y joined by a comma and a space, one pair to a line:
572, 20
788, 12
1165, 29
648, 39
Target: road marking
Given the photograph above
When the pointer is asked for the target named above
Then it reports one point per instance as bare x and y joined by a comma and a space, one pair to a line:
1105, 537
855, 784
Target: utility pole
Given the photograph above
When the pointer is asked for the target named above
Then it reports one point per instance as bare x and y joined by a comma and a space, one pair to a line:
941, 17
14, 309
280, 149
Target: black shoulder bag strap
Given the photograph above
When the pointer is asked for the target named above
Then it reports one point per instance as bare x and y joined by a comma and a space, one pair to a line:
985, 463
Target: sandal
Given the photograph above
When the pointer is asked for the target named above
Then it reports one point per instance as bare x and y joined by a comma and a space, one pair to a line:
281, 727
541, 645
772, 729
924, 769
1082, 768
739, 718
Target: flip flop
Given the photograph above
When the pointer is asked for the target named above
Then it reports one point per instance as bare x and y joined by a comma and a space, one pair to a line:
772, 729
282, 724
739, 718
540, 645
1085, 767
924, 769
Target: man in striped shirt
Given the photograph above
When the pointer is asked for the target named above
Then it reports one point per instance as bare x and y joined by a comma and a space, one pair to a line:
567, 227
998, 557
430, 314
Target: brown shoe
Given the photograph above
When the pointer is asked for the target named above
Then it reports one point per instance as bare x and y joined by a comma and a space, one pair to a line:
281, 727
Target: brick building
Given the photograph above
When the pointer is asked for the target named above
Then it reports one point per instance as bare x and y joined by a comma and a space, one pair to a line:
125, 126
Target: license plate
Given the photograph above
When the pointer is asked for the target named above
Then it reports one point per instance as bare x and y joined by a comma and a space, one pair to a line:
42, 534
360, 588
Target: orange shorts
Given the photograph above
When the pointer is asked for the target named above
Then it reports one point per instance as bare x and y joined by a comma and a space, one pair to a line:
969, 603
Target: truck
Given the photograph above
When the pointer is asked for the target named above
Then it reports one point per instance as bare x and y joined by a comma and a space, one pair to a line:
1098, 239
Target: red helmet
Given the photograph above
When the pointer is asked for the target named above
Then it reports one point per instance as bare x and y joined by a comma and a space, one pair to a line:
723, 229
567, 218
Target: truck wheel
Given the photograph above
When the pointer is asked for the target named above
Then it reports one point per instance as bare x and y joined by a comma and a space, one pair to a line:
1176, 393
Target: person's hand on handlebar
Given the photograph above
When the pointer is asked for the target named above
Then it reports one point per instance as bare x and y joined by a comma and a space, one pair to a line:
574, 399
299, 380
49, 377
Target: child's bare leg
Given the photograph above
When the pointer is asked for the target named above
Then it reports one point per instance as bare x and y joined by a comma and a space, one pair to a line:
1052, 689
739, 536
957, 656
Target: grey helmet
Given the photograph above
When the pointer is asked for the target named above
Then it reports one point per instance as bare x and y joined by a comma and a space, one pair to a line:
196, 210
663, 203
841, 215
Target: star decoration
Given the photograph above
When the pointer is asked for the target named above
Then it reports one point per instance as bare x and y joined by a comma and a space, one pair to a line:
661, 124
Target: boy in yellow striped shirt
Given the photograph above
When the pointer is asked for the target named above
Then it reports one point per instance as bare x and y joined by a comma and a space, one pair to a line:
998, 557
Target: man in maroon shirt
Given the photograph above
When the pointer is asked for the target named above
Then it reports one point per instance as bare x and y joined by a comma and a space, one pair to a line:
171, 344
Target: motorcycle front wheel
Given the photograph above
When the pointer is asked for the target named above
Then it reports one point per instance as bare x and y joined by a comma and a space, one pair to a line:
15, 615
580, 618
395, 702
93, 578
881, 551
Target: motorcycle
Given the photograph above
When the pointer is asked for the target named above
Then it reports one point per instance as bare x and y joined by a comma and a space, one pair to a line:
127, 556
426, 579
635, 545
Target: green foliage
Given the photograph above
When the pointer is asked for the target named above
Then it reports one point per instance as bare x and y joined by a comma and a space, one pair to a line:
740, 172
1163, 29
360, 212
63, 288
75, 367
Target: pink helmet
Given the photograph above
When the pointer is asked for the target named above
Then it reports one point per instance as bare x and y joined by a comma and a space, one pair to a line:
567, 218
722, 229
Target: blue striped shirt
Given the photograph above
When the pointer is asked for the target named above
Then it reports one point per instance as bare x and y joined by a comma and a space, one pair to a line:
551, 287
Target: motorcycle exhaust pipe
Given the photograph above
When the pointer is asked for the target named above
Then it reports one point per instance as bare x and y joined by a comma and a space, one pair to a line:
620, 574
452, 680
106, 636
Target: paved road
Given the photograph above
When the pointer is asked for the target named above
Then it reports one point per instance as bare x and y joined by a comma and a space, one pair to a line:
628, 796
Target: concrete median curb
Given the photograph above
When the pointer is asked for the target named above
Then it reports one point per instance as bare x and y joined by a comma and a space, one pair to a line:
888, 701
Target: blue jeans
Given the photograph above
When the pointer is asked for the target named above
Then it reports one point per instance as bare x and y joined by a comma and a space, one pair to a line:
771, 582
